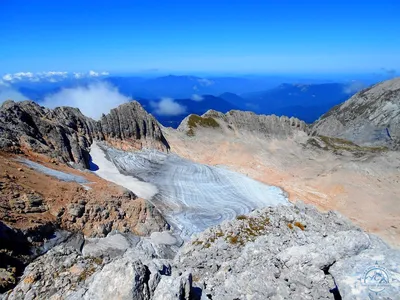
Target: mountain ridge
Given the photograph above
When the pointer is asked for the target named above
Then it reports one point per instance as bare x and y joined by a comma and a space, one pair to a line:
66, 134
370, 117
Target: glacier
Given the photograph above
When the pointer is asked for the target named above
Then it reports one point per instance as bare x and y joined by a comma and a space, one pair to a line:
191, 196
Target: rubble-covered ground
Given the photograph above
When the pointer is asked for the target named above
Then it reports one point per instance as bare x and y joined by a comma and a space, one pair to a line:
283, 252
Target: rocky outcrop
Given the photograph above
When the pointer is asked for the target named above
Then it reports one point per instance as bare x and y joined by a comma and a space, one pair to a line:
286, 252
66, 134
244, 122
370, 117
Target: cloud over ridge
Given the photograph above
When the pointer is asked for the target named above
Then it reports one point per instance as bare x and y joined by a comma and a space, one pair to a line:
7, 92
92, 100
167, 107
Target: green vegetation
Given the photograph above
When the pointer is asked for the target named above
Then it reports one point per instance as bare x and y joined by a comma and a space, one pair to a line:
233, 239
249, 229
337, 145
86, 273
197, 242
219, 234
195, 120
98, 260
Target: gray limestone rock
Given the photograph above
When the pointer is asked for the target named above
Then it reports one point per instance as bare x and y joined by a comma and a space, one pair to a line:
245, 122
370, 117
283, 252
65, 134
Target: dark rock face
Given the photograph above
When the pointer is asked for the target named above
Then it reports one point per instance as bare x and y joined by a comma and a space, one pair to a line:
371, 117
66, 134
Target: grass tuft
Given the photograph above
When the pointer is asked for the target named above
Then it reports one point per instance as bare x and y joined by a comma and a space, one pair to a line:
196, 120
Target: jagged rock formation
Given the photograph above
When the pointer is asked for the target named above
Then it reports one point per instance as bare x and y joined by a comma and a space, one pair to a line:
286, 252
244, 122
370, 117
66, 134
34, 205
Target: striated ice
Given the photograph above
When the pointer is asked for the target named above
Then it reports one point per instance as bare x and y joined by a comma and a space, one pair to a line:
54, 173
191, 196
107, 170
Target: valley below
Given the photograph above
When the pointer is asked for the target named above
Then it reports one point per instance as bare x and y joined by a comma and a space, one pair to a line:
365, 189
192, 196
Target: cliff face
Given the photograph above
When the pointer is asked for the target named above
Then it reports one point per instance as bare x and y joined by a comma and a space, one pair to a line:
371, 117
129, 126
66, 134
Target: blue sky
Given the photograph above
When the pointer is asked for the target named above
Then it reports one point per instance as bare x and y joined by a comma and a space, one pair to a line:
244, 36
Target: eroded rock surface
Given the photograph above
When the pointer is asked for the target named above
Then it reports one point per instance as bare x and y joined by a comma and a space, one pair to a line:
65, 134
244, 122
370, 117
284, 252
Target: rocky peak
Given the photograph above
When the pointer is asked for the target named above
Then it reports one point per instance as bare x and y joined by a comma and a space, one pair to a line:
245, 122
66, 134
370, 117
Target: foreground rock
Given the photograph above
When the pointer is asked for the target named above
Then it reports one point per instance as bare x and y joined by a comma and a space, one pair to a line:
66, 134
370, 117
37, 201
275, 253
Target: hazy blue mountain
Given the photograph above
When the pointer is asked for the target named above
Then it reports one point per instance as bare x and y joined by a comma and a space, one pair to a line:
305, 101
234, 99
185, 86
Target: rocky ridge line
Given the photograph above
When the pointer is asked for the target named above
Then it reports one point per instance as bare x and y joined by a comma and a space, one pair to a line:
242, 122
66, 134
370, 117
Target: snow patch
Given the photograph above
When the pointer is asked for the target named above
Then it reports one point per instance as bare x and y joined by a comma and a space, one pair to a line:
104, 168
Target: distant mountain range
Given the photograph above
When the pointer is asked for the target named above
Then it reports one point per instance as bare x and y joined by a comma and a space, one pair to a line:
304, 101
302, 98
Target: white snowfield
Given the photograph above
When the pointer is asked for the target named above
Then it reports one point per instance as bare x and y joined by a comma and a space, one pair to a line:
107, 170
191, 196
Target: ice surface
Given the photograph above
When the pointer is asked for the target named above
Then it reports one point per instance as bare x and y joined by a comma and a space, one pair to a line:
54, 173
104, 168
191, 196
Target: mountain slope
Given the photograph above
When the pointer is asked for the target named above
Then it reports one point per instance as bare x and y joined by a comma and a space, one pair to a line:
234, 99
66, 134
371, 117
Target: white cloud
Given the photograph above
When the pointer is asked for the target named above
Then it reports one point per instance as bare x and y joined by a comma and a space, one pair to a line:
7, 77
93, 73
196, 97
353, 87
93, 100
205, 82
9, 93
167, 107
51, 76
